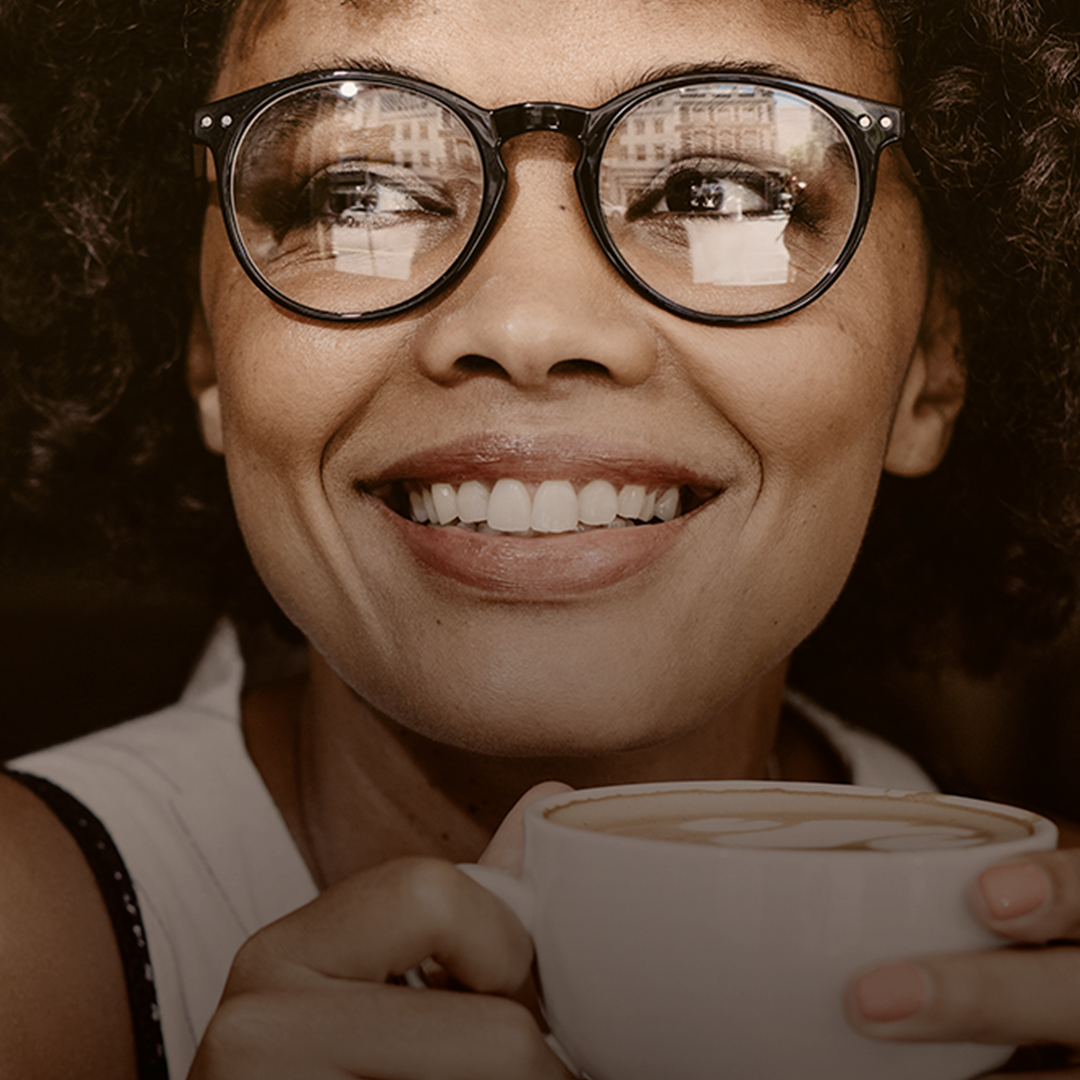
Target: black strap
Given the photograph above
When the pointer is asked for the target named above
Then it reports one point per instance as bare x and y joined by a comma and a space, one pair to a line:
119, 895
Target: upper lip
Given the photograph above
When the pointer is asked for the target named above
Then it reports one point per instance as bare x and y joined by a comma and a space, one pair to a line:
537, 458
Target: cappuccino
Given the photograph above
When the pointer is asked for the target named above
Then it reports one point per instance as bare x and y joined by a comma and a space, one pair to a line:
786, 819
728, 953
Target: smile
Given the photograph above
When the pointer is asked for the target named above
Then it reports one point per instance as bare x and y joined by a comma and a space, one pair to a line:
511, 507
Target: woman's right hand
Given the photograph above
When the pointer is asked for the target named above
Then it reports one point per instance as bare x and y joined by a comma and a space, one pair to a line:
309, 997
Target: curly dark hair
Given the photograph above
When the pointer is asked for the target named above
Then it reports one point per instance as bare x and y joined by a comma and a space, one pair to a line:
101, 222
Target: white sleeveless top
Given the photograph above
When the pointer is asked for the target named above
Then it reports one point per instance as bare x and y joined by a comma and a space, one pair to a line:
207, 850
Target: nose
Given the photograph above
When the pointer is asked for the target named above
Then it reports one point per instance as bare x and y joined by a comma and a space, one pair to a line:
541, 303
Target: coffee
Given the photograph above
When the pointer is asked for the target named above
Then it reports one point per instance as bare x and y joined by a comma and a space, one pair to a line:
774, 818
730, 953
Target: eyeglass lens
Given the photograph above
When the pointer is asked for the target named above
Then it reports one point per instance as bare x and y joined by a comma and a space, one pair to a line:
726, 198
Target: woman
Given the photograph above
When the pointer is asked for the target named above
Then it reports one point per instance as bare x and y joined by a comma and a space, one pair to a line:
364, 381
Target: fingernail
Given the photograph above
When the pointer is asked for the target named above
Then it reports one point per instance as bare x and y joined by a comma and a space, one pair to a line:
1013, 890
893, 992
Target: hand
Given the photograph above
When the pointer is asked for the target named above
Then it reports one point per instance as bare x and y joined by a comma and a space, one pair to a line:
308, 998
1026, 996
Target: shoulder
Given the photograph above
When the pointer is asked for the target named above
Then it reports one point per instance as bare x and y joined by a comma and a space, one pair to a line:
63, 1000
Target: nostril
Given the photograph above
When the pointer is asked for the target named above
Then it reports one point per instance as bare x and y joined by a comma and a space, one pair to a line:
580, 367
474, 364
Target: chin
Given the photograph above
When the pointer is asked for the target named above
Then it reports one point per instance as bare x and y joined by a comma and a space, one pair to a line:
602, 721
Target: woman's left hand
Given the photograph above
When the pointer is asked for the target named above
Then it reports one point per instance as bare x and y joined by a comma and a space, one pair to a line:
1029, 996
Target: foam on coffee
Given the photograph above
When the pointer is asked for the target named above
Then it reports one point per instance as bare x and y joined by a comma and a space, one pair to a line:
778, 818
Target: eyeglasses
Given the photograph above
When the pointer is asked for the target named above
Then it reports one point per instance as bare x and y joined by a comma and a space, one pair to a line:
724, 198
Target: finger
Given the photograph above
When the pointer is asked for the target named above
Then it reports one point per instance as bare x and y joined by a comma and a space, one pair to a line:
506, 851
376, 1032
1006, 996
1034, 900
383, 922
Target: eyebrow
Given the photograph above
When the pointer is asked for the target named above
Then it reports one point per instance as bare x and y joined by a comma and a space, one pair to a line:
378, 65
724, 65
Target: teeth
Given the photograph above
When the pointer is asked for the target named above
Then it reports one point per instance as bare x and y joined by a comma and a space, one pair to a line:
445, 500
416, 504
472, 502
554, 506
598, 503
667, 504
429, 506
510, 508
631, 501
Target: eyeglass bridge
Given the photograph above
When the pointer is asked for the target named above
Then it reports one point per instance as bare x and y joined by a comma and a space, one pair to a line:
514, 120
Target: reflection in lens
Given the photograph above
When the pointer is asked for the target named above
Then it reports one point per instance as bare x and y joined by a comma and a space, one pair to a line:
730, 199
752, 254
352, 197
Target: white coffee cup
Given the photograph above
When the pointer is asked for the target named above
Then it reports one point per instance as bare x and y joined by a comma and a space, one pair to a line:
728, 956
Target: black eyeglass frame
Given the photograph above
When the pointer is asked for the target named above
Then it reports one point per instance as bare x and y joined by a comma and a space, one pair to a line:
868, 125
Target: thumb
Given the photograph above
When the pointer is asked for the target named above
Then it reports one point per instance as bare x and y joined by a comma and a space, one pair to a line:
506, 851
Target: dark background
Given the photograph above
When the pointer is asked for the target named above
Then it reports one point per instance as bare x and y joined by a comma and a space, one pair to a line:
81, 650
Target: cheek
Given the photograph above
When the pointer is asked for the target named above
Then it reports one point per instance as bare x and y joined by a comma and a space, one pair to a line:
825, 385
287, 384
814, 398
289, 389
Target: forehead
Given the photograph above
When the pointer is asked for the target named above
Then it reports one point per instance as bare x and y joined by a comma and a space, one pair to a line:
498, 52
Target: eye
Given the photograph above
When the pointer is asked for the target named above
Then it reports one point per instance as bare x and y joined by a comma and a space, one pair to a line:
715, 188
346, 194
358, 194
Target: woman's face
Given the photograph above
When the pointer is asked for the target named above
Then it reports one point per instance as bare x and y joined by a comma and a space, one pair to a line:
542, 364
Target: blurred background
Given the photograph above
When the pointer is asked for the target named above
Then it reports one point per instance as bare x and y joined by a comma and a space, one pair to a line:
81, 650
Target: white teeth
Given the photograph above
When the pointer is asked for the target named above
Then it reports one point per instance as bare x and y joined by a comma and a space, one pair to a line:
598, 503
510, 507
429, 506
553, 506
631, 501
446, 509
667, 505
472, 501
416, 503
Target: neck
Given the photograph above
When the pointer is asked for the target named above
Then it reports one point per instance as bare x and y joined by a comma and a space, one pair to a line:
356, 788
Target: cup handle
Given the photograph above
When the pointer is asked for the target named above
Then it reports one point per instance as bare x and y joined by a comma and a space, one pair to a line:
512, 891
517, 896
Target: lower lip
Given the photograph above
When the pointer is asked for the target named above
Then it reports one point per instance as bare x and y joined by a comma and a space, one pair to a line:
532, 568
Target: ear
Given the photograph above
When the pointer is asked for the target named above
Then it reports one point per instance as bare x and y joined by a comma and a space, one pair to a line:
933, 390
202, 381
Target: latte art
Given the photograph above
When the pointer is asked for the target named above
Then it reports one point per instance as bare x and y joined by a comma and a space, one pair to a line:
793, 820
833, 833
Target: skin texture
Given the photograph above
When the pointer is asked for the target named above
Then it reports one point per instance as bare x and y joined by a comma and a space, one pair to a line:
543, 359
63, 1002
433, 703
794, 421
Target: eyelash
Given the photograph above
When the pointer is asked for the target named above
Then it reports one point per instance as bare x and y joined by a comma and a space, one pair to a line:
286, 207
757, 181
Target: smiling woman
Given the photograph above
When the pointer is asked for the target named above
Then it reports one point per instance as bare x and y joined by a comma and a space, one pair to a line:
552, 400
